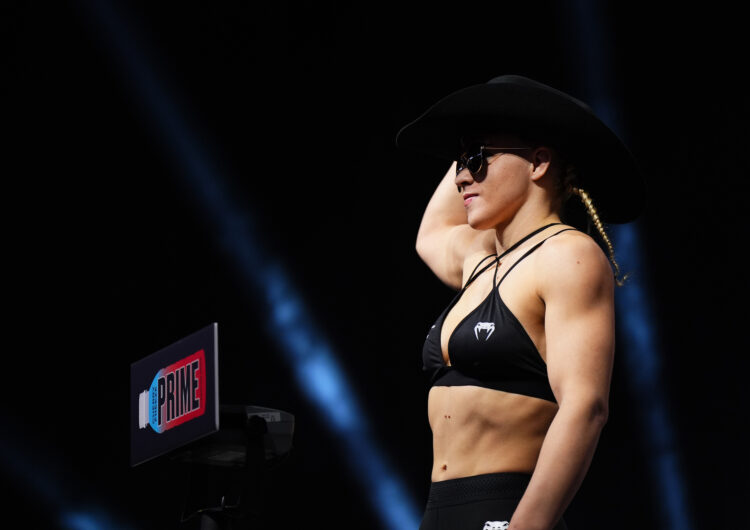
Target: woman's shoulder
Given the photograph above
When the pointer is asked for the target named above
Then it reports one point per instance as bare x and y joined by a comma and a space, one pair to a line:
570, 239
572, 257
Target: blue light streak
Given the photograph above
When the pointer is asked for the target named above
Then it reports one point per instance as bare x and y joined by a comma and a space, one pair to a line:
93, 519
636, 322
290, 322
41, 478
643, 363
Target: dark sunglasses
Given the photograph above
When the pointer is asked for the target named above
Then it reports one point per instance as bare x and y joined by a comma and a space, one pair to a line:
474, 159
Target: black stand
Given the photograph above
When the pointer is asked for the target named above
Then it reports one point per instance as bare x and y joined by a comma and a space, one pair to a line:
229, 469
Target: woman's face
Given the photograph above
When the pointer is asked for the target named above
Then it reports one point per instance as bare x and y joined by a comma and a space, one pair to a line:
505, 187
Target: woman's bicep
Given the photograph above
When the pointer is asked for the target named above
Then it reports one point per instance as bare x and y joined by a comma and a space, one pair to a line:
578, 291
445, 239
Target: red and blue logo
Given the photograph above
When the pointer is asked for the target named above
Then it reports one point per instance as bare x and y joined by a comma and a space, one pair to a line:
177, 394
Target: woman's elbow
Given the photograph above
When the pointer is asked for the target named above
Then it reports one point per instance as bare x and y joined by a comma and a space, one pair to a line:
420, 248
592, 410
598, 411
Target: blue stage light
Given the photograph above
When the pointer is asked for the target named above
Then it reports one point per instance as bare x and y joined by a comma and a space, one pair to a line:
636, 322
41, 479
642, 359
89, 520
290, 323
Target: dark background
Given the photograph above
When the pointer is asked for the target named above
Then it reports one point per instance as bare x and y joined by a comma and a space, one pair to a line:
110, 255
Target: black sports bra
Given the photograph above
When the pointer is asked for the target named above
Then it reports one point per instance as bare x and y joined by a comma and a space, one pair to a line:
489, 347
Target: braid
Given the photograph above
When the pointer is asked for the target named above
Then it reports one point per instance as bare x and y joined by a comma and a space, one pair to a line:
567, 183
586, 199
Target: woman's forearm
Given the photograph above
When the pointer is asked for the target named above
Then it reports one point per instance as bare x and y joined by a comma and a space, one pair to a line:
564, 459
446, 207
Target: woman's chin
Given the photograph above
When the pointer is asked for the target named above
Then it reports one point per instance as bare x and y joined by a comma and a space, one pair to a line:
479, 223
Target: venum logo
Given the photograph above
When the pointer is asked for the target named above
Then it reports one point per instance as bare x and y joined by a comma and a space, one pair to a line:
177, 394
489, 327
496, 525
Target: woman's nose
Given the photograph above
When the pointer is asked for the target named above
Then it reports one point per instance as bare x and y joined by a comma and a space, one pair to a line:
463, 178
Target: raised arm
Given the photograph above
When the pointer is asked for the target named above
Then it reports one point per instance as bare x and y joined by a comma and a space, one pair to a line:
445, 239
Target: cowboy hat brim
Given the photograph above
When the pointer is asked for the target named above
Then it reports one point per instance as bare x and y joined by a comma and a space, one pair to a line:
513, 104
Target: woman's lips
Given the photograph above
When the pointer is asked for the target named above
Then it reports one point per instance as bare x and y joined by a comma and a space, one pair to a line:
468, 198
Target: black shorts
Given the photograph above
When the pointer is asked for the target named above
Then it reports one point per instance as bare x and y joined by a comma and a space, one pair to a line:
480, 502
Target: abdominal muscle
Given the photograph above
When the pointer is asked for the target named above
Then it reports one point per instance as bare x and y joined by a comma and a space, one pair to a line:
479, 430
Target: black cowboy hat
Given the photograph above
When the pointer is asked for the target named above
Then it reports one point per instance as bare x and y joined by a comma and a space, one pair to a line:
513, 104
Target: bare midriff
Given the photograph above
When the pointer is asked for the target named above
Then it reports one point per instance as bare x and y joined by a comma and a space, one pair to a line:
479, 430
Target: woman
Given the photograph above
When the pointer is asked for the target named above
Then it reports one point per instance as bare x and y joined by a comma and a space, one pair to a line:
521, 360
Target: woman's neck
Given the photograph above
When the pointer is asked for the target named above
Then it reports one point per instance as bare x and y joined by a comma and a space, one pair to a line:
508, 233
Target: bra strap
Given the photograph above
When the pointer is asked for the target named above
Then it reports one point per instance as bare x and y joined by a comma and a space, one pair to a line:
471, 276
512, 247
532, 249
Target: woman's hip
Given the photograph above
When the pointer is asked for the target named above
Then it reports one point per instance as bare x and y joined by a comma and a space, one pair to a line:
479, 502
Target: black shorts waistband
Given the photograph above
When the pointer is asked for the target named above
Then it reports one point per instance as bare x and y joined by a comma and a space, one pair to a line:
509, 485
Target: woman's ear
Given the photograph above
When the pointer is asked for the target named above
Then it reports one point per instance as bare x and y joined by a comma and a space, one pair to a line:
541, 160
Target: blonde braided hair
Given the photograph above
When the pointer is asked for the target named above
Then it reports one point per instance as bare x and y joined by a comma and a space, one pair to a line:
567, 188
589, 204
